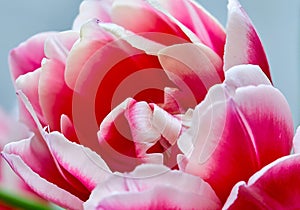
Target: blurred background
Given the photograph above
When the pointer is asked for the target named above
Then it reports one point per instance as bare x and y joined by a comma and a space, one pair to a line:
277, 22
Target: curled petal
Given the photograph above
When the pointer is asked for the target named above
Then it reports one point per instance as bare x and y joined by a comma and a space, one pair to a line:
273, 187
152, 187
243, 45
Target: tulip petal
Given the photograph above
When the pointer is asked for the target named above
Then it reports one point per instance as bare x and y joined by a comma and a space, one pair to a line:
154, 131
35, 152
28, 83
151, 19
92, 38
52, 86
57, 46
193, 74
28, 56
90, 9
262, 125
114, 137
243, 45
245, 75
30, 156
199, 21
40, 185
153, 189
52, 89
88, 167
275, 186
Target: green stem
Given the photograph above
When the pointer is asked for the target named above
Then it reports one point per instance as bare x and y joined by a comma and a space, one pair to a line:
17, 201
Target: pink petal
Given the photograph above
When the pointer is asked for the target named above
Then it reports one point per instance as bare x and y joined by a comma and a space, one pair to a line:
52, 89
88, 168
92, 39
245, 75
28, 55
193, 74
28, 84
153, 130
34, 151
275, 186
262, 125
152, 187
52, 86
30, 157
40, 185
57, 46
151, 20
199, 21
90, 9
243, 45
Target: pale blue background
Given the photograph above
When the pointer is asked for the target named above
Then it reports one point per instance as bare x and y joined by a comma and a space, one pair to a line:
277, 21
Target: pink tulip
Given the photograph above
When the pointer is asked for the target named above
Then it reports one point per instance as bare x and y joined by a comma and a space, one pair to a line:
143, 83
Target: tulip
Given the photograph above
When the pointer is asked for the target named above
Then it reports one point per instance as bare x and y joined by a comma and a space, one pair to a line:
159, 87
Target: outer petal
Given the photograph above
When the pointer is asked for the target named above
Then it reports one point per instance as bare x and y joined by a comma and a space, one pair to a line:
52, 86
243, 45
199, 21
256, 119
28, 83
275, 186
31, 162
52, 89
152, 187
41, 186
36, 151
27, 56
88, 168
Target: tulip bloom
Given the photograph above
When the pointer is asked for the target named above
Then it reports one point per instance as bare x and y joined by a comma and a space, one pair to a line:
159, 87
